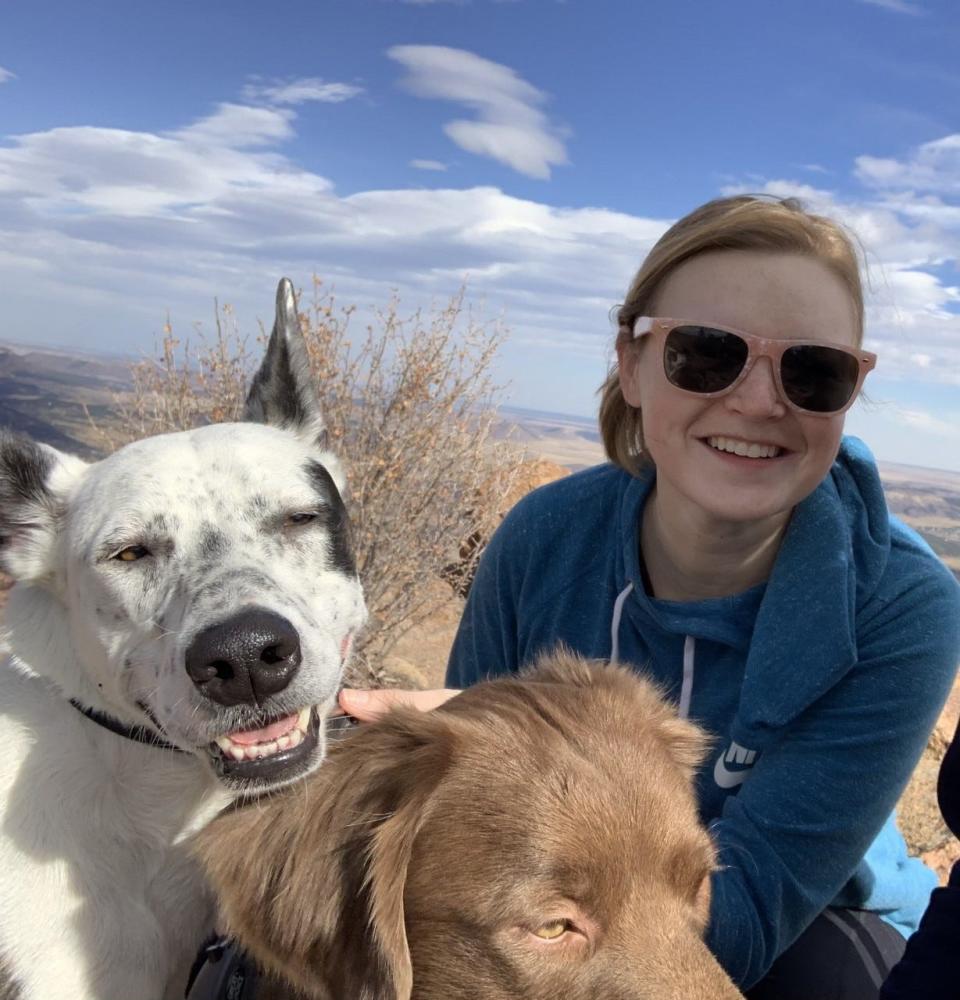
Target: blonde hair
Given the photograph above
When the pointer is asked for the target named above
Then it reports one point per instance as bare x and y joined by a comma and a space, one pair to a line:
743, 222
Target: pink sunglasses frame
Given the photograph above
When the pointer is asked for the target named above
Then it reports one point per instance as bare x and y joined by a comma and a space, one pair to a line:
759, 347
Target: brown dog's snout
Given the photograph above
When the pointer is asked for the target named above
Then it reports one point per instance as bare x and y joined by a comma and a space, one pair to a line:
244, 659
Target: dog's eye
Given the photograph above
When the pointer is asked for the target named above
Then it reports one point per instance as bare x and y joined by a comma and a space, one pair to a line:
552, 930
301, 518
132, 553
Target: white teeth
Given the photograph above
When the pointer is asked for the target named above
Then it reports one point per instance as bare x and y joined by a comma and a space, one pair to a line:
257, 751
746, 449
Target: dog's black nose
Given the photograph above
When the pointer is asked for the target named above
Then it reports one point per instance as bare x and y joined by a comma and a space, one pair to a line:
244, 659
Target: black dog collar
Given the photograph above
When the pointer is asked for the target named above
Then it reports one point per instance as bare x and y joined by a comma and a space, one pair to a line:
140, 734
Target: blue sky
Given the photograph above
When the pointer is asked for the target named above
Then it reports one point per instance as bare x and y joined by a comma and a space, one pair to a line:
153, 156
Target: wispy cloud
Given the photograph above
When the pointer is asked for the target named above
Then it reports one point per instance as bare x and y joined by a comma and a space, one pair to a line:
428, 165
933, 166
898, 6
239, 126
509, 126
6, 74
311, 88
931, 423
113, 226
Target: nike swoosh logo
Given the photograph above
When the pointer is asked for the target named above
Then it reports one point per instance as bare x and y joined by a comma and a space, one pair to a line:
726, 778
737, 754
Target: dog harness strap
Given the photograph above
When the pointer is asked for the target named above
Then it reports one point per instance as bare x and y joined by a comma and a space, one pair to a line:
137, 733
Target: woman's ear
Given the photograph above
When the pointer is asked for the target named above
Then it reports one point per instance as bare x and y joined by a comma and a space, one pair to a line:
311, 880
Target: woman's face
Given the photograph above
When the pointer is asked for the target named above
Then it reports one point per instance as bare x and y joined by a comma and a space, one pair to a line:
778, 296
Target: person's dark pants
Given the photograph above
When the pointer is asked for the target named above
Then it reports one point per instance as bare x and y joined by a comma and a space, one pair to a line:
842, 955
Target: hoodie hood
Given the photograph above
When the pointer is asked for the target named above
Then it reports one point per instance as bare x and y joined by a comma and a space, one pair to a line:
831, 561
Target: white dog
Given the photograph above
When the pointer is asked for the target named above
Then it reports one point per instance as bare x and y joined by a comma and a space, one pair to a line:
177, 631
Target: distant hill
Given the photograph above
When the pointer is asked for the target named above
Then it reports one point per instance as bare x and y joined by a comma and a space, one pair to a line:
52, 395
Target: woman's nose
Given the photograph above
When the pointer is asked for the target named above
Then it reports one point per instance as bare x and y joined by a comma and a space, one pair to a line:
757, 395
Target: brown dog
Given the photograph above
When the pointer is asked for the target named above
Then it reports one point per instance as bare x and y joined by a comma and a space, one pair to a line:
533, 839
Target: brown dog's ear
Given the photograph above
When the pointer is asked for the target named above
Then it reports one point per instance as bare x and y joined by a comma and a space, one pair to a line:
686, 742
311, 880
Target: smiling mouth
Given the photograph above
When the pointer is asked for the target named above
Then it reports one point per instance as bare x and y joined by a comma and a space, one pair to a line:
743, 449
278, 751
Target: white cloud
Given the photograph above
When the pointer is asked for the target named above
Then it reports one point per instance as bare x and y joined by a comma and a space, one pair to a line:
6, 75
238, 126
509, 125
310, 88
428, 165
898, 6
933, 167
112, 227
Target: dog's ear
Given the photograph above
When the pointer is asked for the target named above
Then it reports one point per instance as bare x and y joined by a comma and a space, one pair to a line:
283, 392
311, 880
35, 480
686, 743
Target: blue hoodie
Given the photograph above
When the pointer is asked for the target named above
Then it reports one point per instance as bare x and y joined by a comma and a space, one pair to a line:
819, 686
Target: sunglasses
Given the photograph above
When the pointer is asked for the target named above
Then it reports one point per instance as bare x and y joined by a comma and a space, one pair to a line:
813, 377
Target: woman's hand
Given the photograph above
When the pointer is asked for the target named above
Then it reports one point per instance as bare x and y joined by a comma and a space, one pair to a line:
369, 705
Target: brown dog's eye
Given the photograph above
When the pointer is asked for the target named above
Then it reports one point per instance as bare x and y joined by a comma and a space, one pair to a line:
552, 930
132, 553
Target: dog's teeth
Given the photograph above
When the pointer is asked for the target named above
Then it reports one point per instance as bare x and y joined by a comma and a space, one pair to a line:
258, 751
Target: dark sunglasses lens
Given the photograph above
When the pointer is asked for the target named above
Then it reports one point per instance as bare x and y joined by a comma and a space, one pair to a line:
701, 359
819, 379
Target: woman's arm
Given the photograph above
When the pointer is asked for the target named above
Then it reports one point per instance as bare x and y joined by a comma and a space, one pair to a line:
486, 643
796, 832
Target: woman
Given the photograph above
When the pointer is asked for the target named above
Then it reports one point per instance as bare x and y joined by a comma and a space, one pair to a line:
739, 551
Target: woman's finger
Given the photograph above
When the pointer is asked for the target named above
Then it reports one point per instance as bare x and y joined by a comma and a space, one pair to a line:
367, 705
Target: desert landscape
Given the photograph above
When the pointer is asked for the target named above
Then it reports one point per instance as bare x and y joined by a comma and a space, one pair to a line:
67, 398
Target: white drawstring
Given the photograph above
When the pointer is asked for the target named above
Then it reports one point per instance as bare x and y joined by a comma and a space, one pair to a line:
615, 623
686, 689
689, 649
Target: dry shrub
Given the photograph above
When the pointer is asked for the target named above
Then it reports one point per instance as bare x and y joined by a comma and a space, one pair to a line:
410, 406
